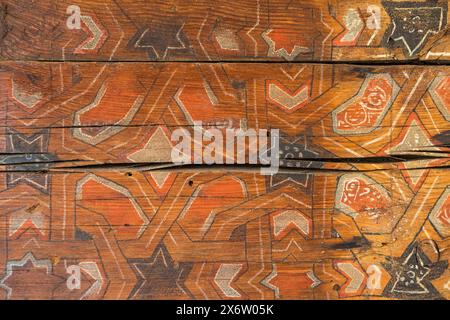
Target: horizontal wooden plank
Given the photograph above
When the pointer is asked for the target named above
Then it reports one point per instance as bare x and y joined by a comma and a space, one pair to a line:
336, 117
276, 30
222, 235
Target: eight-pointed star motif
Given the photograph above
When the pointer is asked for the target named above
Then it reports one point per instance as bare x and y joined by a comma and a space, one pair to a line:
412, 22
292, 154
30, 278
411, 275
159, 277
159, 39
28, 153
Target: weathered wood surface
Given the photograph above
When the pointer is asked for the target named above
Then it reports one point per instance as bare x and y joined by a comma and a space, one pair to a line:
100, 113
133, 239
141, 30
93, 207
361, 201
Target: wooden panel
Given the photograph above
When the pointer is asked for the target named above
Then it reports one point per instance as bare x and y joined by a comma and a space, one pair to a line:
141, 30
361, 196
351, 98
86, 114
224, 235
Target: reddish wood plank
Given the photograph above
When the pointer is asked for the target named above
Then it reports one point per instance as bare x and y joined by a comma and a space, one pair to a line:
276, 30
128, 240
341, 116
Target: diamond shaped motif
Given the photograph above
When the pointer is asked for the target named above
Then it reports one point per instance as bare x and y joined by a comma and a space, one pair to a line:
412, 139
440, 92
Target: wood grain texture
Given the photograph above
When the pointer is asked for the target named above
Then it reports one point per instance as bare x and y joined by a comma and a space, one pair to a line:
121, 113
361, 196
132, 239
92, 205
276, 30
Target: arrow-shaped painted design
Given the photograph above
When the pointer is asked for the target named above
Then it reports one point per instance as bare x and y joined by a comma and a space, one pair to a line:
97, 35
92, 270
224, 276
285, 99
286, 218
356, 278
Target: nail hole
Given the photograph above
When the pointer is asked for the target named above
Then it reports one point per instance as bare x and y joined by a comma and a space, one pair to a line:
129, 174
191, 183
336, 287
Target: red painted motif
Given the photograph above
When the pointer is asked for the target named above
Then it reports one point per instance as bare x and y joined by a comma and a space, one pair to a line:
105, 198
364, 112
360, 196
199, 213
443, 215
441, 93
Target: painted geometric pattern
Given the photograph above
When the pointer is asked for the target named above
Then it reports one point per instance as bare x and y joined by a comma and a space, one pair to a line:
91, 207
204, 30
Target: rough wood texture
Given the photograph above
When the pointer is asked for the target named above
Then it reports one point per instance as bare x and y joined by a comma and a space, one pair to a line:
92, 206
105, 113
362, 193
141, 30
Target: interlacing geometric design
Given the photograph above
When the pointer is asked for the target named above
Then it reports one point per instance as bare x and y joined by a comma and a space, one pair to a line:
332, 229
91, 208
